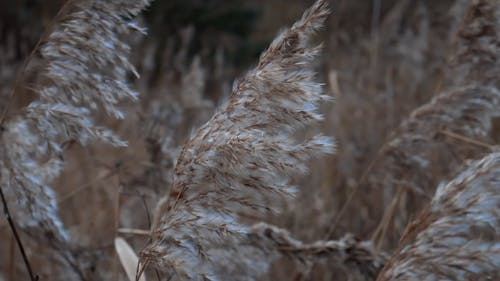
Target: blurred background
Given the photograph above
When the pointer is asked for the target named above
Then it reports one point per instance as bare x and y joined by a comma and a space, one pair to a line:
381, 60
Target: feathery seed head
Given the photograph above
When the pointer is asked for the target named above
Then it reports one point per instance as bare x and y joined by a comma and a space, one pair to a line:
85, 71
457, 237
240, 162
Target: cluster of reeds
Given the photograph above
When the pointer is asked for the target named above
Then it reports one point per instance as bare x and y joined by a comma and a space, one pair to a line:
456, 237
241, 167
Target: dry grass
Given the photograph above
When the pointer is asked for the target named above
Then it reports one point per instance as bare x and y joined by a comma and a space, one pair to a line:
456, 237
417, 95
237, 165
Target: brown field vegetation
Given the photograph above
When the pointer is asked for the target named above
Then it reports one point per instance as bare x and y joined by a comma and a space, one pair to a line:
250, 140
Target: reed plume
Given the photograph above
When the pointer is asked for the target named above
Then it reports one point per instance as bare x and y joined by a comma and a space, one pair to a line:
433, 143
478, 45
85, 69
457, 236
239, 163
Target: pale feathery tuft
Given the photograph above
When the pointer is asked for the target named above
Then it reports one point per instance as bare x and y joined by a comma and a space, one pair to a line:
478, 41
241, 161
458, 236
457, 124
85, 69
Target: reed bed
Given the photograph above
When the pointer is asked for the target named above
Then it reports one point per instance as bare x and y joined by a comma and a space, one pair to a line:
216, 172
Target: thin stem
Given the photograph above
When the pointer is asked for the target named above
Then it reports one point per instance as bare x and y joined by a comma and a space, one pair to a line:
80, 188
381, 230
351, 195
468, 140
6, 211
115, 229
133, 231
12, 255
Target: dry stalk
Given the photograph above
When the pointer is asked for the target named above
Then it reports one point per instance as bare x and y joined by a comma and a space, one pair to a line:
15, 234
348, 252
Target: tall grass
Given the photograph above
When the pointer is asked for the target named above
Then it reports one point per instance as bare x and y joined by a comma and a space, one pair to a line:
456, 237
418, 99
238, 164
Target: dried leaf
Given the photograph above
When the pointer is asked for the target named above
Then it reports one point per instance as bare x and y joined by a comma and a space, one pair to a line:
128, 259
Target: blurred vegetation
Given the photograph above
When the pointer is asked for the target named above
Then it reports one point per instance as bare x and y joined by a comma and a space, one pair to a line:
216, 24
